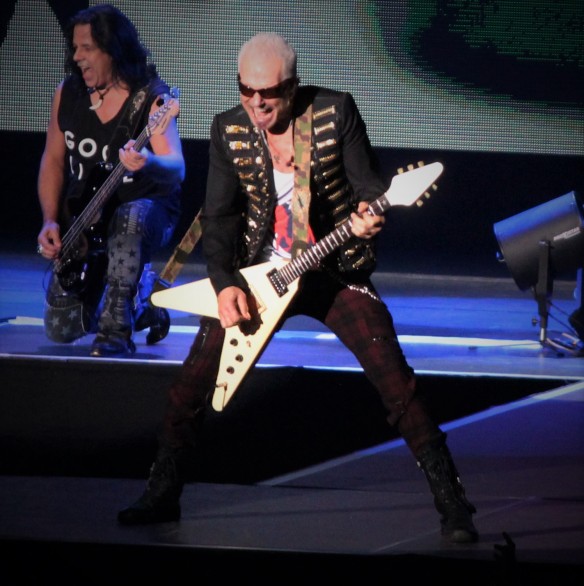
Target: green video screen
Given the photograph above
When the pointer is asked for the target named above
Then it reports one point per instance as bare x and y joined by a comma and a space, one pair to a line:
497, 76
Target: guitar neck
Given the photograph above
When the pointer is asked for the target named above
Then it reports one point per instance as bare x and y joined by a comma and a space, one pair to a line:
406, 188
156, 123
87, 216
310, 258
112, 182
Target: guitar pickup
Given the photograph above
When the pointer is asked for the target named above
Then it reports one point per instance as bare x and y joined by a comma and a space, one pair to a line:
277, 283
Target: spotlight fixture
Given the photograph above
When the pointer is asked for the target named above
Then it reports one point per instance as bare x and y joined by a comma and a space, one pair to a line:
541, 243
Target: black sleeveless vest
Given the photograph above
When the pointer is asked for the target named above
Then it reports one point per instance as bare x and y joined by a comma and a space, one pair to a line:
90, 142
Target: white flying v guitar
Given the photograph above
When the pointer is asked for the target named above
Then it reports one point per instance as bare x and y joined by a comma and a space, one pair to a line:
273, 285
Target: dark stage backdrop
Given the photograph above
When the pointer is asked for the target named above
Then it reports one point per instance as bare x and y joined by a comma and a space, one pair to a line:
490, 88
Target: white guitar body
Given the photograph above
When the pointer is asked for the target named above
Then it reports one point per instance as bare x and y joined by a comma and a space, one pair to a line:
273, 285
243, 343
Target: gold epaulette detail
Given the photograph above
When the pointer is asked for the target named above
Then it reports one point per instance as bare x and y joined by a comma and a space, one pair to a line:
335, 195
332, 184
242, 161
320, 129
238, 145
331, 171
328, 158
326, 143
329, 111
245, 176
236, 129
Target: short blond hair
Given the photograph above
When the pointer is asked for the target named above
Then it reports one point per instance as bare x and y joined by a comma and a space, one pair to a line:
274, 44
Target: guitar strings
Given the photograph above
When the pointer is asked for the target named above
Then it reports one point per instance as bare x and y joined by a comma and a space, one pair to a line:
92, 209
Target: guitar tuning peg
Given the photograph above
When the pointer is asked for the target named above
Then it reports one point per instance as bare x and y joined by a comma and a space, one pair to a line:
434, 187
420, 163
419, 203
427, 195
400, 170
410, 167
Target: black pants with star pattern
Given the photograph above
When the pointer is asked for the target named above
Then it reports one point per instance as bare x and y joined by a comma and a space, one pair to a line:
136, 230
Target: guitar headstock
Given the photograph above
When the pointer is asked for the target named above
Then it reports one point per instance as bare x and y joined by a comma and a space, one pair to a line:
158, 122
413, 184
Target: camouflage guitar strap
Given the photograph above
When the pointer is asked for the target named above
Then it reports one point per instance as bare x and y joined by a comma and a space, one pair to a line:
301, 197
179, 255
300, 207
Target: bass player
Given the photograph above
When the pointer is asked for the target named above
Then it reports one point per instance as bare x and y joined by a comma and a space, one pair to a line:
108, 97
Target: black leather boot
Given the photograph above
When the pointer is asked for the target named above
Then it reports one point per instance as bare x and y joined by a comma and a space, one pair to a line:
155, 318
145, 314
114, 329
449, 497
160, 502
112, 344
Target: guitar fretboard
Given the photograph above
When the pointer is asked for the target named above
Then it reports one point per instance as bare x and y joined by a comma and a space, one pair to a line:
310, 258
405, 189
92, 210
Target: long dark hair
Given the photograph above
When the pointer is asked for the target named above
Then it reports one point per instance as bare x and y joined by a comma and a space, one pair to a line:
115, 34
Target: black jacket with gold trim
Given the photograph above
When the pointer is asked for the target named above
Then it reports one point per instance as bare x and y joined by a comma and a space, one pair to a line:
240, 198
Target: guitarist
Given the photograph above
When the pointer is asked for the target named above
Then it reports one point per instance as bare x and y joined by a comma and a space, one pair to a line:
97, 111
260, 156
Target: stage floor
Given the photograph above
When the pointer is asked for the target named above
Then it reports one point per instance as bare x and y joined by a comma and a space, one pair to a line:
369, 510
476, 326
351, 517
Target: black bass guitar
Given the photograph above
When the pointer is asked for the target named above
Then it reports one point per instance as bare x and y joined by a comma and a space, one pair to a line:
83, 245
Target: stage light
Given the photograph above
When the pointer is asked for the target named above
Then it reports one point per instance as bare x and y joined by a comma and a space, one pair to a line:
541, 243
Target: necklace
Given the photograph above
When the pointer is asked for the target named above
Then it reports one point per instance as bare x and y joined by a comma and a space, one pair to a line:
277, 155
278, 158
101, 95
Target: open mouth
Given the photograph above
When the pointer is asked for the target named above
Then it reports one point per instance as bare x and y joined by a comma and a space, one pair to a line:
85, 71
261, 115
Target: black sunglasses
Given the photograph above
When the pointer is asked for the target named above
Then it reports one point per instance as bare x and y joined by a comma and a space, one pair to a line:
267, 93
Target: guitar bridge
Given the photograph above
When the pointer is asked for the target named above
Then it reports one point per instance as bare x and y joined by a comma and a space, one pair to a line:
277, 283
